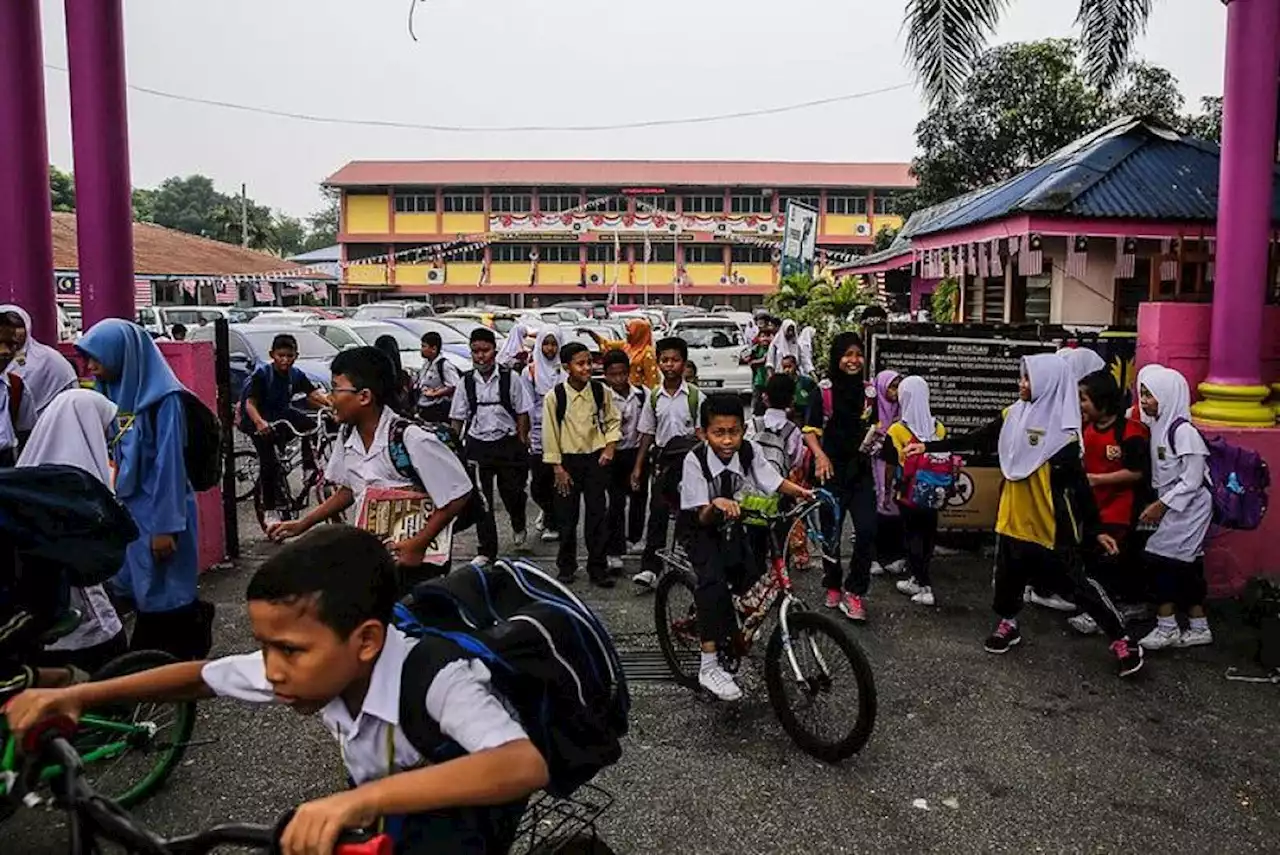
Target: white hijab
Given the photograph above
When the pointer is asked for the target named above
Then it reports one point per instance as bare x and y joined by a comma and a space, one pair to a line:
547, 372
44, 371
1082, 360
1146, 372
913, 398
1036, 430
1170, 389
781, 347
806, 350
514, 344
73, 432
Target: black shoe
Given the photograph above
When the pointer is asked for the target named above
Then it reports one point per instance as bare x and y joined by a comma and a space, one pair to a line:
1128, 657
603, 581
1005, 637
566, 578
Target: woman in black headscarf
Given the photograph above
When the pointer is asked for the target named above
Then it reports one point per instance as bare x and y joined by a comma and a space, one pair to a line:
402, 389
834, 431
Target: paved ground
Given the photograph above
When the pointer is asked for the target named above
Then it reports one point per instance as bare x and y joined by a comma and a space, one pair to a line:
1043, 750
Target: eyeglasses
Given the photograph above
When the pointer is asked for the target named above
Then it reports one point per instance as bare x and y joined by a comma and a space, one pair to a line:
351, 389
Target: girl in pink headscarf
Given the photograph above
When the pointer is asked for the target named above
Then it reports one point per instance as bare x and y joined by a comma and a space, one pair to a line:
888, 548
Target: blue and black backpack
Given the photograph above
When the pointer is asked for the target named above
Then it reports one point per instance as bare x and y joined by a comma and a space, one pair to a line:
549, 656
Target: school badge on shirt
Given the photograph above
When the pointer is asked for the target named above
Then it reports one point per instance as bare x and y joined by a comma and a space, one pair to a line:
1160, 453
1034, 435
1113, 452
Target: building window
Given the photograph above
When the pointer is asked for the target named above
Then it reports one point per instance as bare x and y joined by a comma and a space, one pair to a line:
558, 254
510, 252
752, 255
470, 255
811, 201
752, 203
658, 252
554, 203
645, 204
457, 203
614, 202
602, 252
510, 203
846, 204
704, 204
885, 205
703, 254
415, 203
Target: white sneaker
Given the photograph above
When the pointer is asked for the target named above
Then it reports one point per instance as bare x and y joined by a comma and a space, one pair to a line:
1083, 624
540, 522
896, 567
518, 540
1160, 638
635, 548
924, 598
876, 569
645, 578
1055, 602
549, 536
480, 562
909, 587
270, 518
614, 562
718, 682
1195, 637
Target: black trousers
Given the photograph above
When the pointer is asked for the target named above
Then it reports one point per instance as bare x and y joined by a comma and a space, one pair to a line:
664, 501
270, 448
1018, 560
590, 486
542, 489
1178, 582
856, 493
626, 509
186, 633
504, 461
727, 562
890, 539
920, 531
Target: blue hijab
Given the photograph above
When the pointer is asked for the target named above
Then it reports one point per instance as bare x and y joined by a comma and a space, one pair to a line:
142, 378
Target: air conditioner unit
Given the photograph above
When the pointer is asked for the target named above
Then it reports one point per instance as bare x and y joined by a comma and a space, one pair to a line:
594, 278
436, 276
577, 226
739, 279
863, 230
763, 228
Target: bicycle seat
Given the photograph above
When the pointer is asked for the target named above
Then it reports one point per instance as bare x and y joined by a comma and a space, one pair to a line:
62, 627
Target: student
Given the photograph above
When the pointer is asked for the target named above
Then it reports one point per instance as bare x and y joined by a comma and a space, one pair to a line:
401, 398
774, 432
691, 373
437, 381
919, 525
544, 373
362, 381
72, 431
668, 427
494, 408
17, 406
726, 555
1083, 361
626, 508
785, 343
889, 555
268, 397
581, 429
836, 441
806, 388
178, 332
161, 566
641, 354
321, 609
1181, 512
45, 372
757, 358
805, 344
1046, 512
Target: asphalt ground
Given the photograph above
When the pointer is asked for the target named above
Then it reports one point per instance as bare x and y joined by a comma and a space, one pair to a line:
1041, 750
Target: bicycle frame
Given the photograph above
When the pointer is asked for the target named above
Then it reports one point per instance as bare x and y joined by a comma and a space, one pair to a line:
10, 763
289, 456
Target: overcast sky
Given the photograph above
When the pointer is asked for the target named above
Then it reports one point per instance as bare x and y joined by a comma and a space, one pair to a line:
516, 62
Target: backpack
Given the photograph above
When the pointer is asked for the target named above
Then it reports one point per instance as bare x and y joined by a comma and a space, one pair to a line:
1239, 480
15, 400
773, 446
65, 518
202, 448
759, 504
693, 397
548, 654
504, 392
927, 481
562, 402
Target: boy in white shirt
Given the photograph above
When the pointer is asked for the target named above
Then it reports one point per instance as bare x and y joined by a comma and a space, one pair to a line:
626, 506
437, 381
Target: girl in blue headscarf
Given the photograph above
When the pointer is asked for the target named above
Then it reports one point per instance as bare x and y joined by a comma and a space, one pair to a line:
147, 443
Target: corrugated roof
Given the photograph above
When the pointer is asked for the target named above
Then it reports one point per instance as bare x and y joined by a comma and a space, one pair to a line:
324, 253
620, 173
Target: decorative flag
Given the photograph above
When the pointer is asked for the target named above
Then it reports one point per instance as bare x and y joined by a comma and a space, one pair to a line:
1077, 256
225, 292
189, 287
484, 270
1126, 257
1209, 265
68, 291
971, 250
533, 266
582, 273
263, 292
997, 267
1168, 263
984, 265
617, 257
142, 292
648, 249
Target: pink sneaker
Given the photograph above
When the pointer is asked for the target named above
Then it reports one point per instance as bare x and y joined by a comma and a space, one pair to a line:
852, 607
833, 598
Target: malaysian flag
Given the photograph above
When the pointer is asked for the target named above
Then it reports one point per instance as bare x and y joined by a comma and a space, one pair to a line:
533, 267
997, 266
984, 263
1168, 261
1126, 257
1208, 268
68, 291
972, 252
189, 287
648, 249
1077, 256
263, 292
617, 256
142, 292
484, 270
225, 292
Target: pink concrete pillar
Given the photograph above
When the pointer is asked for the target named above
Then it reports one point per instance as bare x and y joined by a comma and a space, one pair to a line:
100, 138
26, 263
1234, 391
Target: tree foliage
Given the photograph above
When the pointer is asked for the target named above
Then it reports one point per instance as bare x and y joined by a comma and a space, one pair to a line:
827, 305
884, 237
62, 189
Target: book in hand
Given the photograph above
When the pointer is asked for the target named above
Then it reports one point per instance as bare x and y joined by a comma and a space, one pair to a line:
398, 513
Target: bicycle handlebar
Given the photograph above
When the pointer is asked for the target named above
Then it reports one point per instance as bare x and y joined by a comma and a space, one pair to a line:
821, 496
320, 415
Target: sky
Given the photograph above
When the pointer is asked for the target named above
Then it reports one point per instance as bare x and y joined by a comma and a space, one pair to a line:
504, 63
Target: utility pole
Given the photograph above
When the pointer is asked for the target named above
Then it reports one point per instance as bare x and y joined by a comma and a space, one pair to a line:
244, 217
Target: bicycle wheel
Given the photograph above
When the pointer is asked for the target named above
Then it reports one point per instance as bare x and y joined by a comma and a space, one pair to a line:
287, 494
676, 619
835, 679
247, 468
130, 751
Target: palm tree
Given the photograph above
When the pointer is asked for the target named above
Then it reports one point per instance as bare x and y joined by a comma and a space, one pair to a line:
946, 37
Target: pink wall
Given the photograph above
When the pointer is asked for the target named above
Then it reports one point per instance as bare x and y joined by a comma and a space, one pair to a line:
921, 289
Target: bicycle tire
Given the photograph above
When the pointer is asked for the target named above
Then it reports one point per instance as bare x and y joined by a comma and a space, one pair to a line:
175, 741
246, 489
287, 497
682, 671
801, 623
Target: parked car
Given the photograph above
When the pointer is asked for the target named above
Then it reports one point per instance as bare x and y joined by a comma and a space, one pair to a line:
158, 319
284, 318
588, 308
715, 345
355, 333
250, 346
499, 322
455, 345
557, 315
393, 309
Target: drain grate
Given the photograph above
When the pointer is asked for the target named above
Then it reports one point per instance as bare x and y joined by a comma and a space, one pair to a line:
646, 665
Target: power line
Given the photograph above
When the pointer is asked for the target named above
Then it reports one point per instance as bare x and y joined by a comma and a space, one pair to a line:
473, 129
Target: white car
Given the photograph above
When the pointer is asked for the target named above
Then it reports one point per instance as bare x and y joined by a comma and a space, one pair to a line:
357, 333
715, 345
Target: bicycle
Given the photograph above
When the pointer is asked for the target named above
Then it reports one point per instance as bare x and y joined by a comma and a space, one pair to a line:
294, 499
793, 660
95, 817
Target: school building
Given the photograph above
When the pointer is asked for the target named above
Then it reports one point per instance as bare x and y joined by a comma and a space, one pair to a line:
526, 233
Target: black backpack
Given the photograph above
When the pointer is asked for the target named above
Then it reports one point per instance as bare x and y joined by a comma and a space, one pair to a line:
562, 402
504, 392
746, 456
550, 657
202, 448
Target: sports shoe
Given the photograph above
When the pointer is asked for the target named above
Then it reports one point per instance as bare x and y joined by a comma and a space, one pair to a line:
908, 587
540, 522
718, 682
1005, 637
635, 548
877, 569
1161, 637
1083, 624
549, 536
924, 598
1128, 656
896, 567
1053, 601
614, 563
518, 540
645, 578
1195, 637
833, 598
480, 562
852, 608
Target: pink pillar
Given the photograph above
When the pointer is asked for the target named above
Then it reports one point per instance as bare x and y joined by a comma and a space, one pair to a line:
26, 263
1234, 390
100, 137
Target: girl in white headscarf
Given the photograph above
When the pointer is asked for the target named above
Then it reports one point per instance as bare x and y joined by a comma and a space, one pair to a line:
1047, 511
1082, 360
806, 350
44, 371
785, 343
1181, 513
543, 373
512, 348
73, 432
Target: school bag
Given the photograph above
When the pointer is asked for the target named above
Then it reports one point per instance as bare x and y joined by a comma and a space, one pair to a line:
549, 657
674, 451
927, 481
1239, 481
562, 402
202, 447
754, 502
504, 392
773, 445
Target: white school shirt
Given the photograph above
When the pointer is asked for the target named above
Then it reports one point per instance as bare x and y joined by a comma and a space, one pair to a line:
492, 421
775, 421
459, 699
1181, 483
671, 417
431, 377
26, 415
696, 490
358, 468
629, 407
535, 415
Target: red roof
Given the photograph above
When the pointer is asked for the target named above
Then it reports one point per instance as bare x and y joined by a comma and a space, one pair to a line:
619, 173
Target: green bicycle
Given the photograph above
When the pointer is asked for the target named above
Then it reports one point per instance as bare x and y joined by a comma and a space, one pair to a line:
128, 751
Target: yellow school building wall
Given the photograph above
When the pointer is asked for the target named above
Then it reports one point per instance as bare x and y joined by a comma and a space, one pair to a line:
463, 273
463, 224
757, 274
843, 224
509, 273
412, 274
704, 274
367, 274
366, 214
416, 224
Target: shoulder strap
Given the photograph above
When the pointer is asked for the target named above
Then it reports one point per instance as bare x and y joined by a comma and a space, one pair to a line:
562, 403
15, 400
1173, 432
504, 391
638, 394
693, 405
746, 454
828, 404
399, 453
469, 387
700, 451
597, 392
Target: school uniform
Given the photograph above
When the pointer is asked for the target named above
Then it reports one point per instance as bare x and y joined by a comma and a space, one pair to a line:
372, 744
26, 420
670, 419
626, 509
1124, 445
726, 559
1180, 478
272, 393
919, 525
439, 373
542, 480
493, 445
575, 443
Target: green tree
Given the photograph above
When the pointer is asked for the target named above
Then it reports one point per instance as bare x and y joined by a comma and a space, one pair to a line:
323, 223
1207, 124
62, 189
884, 238
1151, 91
144, 205
190, 205
225, 224
290, 235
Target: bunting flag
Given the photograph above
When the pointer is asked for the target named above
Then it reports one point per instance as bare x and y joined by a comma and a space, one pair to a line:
1031, 259
1209, 265
533, 267
997, 267
189, 287
67, 291
984, 262
142, 295
617, 256
1077, 256
484, 270
1168, 263
973, 259
263, 292
1126, 257
582, 274
225, 292
648, 249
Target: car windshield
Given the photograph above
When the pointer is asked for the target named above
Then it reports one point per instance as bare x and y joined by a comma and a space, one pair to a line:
448, 335
504, 325
370, 333
310, 345
708, 335
380, 312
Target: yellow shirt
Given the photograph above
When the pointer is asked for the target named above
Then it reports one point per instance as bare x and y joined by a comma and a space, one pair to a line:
582, 431
901, 436
1026, 510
